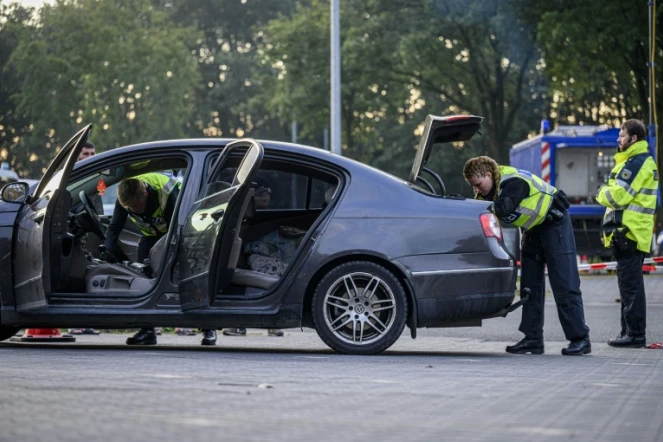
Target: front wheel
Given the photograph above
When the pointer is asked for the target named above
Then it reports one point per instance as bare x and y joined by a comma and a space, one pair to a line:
359, 308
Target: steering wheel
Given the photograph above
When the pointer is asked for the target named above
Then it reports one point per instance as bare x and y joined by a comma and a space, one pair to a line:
97, 227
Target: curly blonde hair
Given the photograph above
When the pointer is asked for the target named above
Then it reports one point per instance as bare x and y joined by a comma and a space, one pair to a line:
478, 167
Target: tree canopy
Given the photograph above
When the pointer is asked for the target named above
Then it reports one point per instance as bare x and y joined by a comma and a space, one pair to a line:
141, 70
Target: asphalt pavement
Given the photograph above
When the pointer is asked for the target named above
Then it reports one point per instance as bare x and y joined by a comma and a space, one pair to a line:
448, 384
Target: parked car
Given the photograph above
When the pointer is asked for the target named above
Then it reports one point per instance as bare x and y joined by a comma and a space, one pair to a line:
373, 252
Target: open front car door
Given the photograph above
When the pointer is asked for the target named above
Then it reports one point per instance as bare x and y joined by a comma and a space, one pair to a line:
43, 246
209, 239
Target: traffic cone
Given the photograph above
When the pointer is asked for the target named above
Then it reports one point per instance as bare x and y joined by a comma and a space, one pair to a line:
43, 335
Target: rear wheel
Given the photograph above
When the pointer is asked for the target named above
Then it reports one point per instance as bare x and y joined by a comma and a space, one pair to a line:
359, 308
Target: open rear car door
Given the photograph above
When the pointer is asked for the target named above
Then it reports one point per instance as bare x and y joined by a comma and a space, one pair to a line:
43, 245
208, 239
438, 130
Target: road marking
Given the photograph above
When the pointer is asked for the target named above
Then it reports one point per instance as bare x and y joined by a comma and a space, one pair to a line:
170, 376
629, 363
543, 431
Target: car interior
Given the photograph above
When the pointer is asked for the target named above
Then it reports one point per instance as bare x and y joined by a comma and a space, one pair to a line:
284, 202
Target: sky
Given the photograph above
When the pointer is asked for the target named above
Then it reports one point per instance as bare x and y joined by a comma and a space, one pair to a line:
35, 3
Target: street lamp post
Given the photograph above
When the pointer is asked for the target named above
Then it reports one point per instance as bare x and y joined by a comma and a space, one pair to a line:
335, 77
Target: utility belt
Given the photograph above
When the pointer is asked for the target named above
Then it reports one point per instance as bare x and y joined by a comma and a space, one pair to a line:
560, 204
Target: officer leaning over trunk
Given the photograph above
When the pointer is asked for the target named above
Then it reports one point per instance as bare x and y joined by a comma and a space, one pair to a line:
628, 225
526, 201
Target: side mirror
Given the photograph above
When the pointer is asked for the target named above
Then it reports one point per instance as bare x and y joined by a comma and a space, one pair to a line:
15, 193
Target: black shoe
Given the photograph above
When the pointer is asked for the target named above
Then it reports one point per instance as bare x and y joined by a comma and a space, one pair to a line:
143, 337
235, 331
209, 337
626, 341
526, 345
578, 347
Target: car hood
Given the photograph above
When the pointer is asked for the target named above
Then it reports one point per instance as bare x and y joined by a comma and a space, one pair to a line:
8, 213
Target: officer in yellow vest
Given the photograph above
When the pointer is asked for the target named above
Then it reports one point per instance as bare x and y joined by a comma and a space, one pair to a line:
526, 201
628, 226
149, 201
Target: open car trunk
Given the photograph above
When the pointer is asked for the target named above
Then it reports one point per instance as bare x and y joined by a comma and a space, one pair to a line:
438, 130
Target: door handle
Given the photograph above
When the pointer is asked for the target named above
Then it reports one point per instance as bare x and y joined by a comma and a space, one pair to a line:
218, 214
38, 218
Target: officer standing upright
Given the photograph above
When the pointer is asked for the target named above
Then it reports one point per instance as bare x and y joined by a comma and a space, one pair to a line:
526, 201
628, 226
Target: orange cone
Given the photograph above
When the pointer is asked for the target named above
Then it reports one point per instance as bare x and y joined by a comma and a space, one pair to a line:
43, 335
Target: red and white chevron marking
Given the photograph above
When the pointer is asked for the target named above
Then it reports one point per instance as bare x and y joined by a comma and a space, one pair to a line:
545, 162
649, 265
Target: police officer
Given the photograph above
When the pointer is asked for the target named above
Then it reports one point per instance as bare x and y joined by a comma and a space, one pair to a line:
526, 201
149, 201
628, 225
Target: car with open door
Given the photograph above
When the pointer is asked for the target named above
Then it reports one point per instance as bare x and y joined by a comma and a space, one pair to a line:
264, 235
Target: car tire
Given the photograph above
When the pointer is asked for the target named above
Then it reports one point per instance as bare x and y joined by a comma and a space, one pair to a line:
359, 307
7, 332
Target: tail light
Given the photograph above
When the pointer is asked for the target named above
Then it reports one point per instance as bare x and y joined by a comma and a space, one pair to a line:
491, 227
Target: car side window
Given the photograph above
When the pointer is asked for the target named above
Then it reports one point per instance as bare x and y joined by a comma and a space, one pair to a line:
321, 194
288, 190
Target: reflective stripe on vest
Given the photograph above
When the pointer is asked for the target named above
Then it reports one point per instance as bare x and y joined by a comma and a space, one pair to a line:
533, 209
631, 196
164, 186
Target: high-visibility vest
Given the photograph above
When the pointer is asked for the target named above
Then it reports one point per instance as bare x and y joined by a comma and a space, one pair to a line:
157, 223
631, 196
533, 209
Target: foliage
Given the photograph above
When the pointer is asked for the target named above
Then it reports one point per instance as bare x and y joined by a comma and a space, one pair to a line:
226, 55
121, 65
14, 21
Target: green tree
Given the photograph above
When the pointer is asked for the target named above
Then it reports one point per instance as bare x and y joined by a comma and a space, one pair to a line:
120, 64
227, 60
401, 61
596, 58
14, 20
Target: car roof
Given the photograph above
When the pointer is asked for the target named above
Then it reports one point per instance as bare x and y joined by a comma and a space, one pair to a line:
214, 143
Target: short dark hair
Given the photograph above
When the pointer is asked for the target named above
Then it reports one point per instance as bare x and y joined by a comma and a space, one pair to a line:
88, 145
635, 127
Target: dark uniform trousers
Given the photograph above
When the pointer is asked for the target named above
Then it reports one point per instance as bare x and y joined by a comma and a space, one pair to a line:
632, 291
553, 244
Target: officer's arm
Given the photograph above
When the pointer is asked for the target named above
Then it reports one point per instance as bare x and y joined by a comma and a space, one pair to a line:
116, 225
623, 190
511, 194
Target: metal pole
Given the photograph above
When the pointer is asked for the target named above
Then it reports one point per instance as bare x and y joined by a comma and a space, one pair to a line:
293, 131
335, 77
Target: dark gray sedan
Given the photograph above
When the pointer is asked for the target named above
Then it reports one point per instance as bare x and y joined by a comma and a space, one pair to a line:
264, 235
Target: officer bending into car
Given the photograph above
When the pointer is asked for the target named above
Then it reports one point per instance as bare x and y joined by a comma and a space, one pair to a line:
628, 225
540, 210
149, 201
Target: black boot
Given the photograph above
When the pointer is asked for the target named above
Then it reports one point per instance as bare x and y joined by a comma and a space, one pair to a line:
526, 345
626, 341
146, 336
209, 337
578, 347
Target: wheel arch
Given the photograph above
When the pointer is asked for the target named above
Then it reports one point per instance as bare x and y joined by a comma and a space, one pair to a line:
398, 271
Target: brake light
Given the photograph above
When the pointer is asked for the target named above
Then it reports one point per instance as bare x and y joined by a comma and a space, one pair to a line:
491, 227
456, 117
